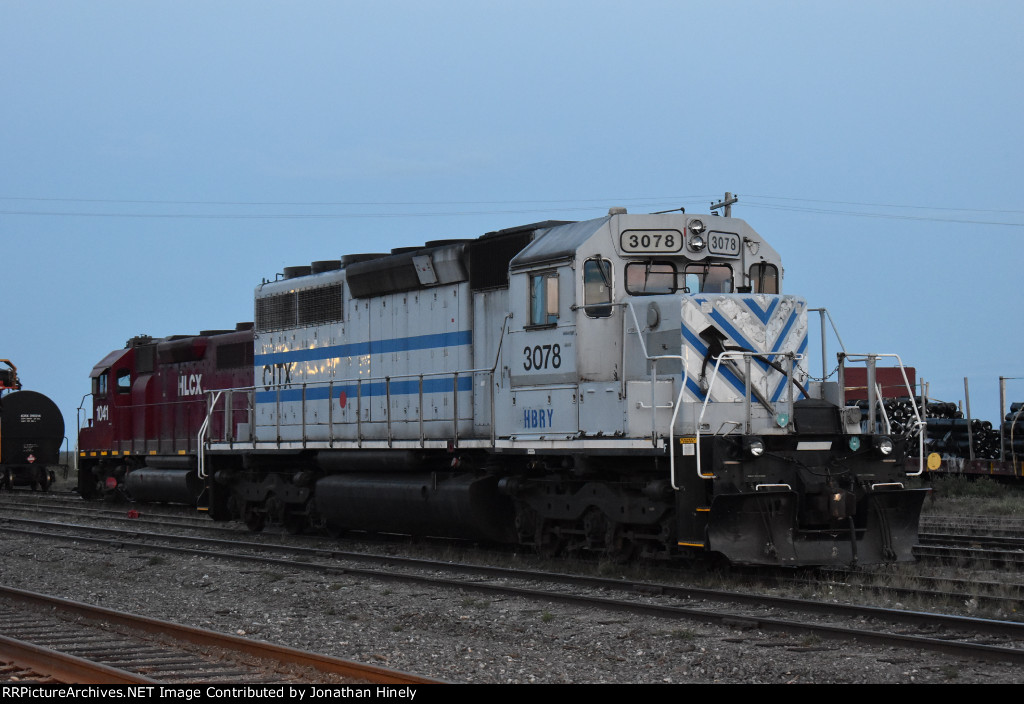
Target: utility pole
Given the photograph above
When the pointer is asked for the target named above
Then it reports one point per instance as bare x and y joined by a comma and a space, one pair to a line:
726, 203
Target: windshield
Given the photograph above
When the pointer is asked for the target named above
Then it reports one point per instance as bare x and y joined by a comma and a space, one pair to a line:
650, 278
709, 278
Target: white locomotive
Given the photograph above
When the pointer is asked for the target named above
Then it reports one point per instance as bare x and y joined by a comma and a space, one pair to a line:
633, 385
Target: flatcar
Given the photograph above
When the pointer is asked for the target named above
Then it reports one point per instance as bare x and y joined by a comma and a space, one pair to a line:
31, 432
632, 385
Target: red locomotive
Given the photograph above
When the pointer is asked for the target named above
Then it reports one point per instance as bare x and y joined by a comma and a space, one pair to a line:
149, 404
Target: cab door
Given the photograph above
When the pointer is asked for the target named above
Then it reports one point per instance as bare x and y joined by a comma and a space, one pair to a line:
542, 353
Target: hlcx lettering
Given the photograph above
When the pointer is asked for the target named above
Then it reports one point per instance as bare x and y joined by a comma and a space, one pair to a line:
190, 385
538, 418
277, 374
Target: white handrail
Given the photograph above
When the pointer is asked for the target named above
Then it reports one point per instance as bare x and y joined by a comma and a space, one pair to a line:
918, 423
201, 438
748, 384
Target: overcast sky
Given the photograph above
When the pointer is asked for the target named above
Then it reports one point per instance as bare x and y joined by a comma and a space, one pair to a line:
159, 159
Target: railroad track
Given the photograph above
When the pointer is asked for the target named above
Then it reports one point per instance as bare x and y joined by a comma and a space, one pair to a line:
976, 546
962, 637
66, 641
1003, 525
1007, 553
997, 551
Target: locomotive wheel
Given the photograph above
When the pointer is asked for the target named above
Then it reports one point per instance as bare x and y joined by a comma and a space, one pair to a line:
595, 528
548, 542
618, 548
334, 532
294, 521
254, 517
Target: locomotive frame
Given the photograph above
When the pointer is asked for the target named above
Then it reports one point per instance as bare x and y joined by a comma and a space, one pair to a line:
630, 385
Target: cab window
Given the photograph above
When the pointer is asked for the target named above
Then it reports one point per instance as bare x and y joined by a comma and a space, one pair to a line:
764, 278
544, 299
597, 287
650, 278
99, 385
709, 278
124, 381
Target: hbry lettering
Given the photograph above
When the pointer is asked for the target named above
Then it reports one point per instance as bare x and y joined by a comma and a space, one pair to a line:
542, 418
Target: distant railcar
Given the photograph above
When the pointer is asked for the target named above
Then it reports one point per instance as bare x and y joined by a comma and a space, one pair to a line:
31, 432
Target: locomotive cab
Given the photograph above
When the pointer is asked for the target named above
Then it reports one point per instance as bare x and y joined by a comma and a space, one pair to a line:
670, 334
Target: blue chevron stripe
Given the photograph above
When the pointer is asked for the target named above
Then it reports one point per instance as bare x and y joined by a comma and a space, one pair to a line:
763, 315
782, 382
785, 329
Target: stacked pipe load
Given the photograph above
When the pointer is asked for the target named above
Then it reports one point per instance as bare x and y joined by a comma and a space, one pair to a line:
1013, 430
947, 428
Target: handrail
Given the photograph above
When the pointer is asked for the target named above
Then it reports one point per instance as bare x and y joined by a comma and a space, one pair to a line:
676, 406
201, 437
870, 359
672, 423
78, 428
822, 314
748, 385
358, 381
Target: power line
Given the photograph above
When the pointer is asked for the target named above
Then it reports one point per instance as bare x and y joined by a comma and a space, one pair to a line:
887, 205
635, 200
451, 208
296, 216
890, 216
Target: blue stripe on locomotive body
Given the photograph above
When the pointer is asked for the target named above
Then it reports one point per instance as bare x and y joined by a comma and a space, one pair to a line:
370, 389
369, 347
388, 365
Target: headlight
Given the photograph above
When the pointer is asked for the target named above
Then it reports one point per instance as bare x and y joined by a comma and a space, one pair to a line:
697, 227
883, 445
754, 446
696, 243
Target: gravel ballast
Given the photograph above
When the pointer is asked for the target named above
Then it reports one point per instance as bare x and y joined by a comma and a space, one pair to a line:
453, 635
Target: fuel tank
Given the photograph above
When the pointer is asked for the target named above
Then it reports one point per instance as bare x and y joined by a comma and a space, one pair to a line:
428, 504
